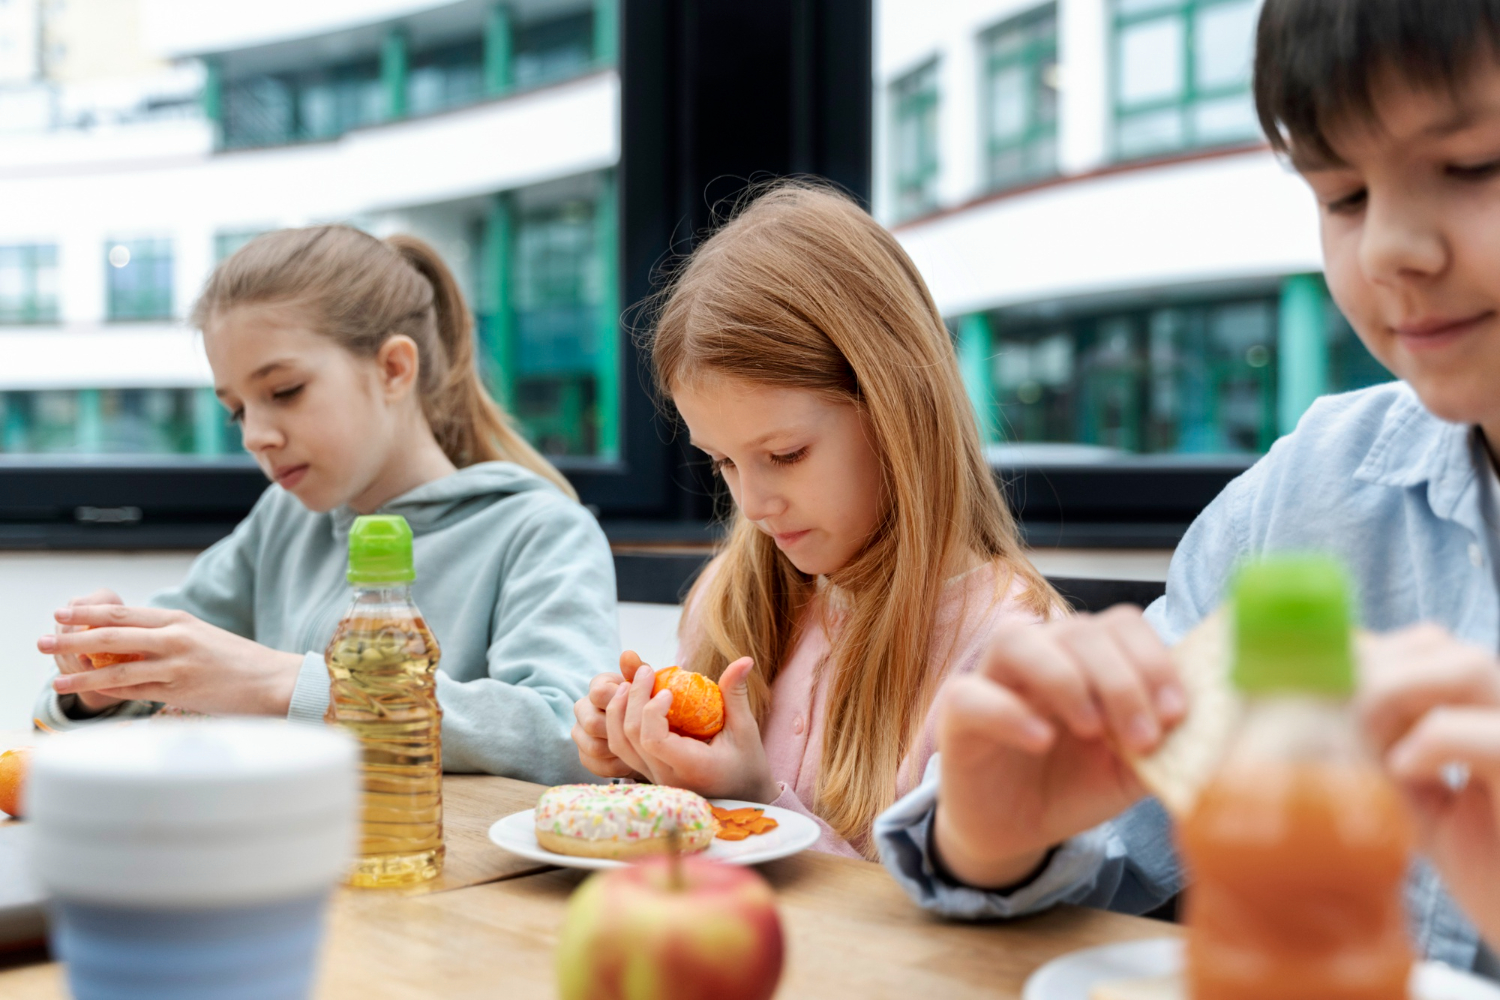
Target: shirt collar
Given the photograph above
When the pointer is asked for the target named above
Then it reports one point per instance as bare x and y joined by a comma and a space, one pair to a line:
1414, 448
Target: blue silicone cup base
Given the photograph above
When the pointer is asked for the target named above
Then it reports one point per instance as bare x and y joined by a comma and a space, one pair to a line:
264, 952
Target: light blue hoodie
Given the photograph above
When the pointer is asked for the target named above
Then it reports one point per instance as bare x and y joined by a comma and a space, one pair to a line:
515, 580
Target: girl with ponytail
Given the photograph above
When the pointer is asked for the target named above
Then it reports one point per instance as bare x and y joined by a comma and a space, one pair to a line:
349, 364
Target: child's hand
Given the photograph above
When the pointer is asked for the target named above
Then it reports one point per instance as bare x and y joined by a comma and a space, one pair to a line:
1028, 740
1431, 706
730, 766
188, 663
73, 664
591, 733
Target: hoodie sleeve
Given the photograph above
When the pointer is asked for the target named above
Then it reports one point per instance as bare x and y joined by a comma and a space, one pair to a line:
219, 589
554, 628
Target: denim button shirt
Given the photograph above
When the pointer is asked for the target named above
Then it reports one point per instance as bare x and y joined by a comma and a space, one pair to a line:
1369, 476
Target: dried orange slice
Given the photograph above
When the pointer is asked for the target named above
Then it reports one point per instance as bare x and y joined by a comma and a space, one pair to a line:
97, 660
697, 703
741, 823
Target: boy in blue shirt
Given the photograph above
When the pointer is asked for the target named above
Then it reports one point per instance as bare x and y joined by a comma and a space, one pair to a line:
1390, 109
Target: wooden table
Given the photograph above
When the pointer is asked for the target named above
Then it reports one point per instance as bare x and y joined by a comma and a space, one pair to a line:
489, 927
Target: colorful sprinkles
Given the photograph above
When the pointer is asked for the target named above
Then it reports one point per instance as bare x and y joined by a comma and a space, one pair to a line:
621, 812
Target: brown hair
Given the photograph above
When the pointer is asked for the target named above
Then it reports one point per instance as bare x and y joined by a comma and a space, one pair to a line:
802, 289
361, 291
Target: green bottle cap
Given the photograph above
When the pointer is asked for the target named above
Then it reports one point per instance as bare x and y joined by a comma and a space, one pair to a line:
1291, 623
380, 550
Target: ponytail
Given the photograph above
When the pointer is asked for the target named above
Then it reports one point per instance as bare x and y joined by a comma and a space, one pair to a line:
362, 291
467, 422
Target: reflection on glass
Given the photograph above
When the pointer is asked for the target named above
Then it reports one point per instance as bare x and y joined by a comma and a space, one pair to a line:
115, 422
554, 50
139, 279
1221, 54
1183, 379
1021, 94
28, 284
1151, 61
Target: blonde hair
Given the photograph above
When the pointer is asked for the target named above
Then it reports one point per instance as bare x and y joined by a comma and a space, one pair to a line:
802, 289
361, 291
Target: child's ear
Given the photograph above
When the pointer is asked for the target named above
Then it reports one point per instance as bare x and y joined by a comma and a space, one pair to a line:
398, 362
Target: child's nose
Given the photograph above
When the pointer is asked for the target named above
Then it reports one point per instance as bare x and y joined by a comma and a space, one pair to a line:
757, 502
259, 435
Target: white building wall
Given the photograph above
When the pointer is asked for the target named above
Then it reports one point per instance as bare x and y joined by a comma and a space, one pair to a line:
1083, 125
20, 41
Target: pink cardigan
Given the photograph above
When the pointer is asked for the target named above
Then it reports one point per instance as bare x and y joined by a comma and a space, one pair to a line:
970, 609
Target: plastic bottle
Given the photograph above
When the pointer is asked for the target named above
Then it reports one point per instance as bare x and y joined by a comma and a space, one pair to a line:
381, 664
1298, 847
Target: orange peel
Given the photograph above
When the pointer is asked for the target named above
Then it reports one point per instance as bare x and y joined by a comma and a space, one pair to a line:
697, 703
98, 660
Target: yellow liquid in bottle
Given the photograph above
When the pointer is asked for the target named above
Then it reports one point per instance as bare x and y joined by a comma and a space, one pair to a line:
382, 691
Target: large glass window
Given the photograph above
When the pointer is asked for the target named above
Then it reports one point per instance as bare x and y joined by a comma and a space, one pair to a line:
914, 139
445, 77
111, 421
548, 313
28, 284
553, 50
139, 279
1020, 97
1182, 74
1195, 378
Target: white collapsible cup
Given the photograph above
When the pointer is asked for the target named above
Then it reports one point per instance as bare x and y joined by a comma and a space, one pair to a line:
192, 858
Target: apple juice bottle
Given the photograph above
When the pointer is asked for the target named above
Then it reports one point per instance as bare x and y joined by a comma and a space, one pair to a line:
380, 665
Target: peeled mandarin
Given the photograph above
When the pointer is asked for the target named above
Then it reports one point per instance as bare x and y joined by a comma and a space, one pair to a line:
14, 764
97, 660
697, 703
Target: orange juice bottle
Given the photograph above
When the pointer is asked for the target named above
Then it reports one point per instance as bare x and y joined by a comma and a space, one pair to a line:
381, 663
1297, 847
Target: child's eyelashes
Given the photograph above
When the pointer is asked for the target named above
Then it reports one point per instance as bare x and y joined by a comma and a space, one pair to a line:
282, 395
720, 464
790, 458
1475, 172
1348, 204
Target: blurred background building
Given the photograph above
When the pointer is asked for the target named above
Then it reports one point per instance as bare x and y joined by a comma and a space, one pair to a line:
1125, 265
142, 141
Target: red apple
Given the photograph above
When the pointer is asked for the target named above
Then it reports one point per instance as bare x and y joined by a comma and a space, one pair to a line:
671, 929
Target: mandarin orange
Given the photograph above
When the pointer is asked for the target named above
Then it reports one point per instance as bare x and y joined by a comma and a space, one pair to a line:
697, 703
14, 765
97, 660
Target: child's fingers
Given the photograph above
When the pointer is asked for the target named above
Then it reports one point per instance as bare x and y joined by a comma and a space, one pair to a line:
590, 746
602, 689
1030, 660
590, 719
630, 662
1144, 648
733, 682
1118, 686
976, 710
614, 718
1407, 675
96, 615
120, 675
104, 640
637, 694
656, 735
101, 596
1446, 736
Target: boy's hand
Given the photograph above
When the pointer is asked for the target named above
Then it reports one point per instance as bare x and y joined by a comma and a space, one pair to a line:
189, 664
94, 701
1431, 706
591, 733
1028, 740
730, 766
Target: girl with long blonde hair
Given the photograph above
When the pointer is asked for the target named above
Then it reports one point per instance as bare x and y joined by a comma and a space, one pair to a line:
870, 554
349, 364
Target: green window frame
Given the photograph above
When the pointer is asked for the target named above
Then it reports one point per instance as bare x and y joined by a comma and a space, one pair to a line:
139, 279
914, 140
1200, 95
1020, 55
28, 284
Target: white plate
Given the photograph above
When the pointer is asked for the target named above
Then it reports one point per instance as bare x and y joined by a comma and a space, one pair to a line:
1071, 976
794, 833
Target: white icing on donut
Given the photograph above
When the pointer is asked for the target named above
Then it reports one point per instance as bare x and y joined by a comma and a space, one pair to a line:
621, 812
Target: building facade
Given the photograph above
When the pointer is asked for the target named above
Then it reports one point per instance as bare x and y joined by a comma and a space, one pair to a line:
1125, 265
489, 129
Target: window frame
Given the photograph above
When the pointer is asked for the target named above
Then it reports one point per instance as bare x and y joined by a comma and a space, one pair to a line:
113, 314
1190, 97
1032, 55
34, 309
924, 98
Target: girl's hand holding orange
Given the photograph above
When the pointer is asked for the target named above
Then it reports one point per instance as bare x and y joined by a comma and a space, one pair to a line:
732, 765
72, 663
590, 732
185, 662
